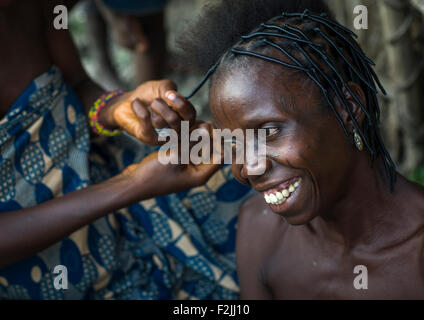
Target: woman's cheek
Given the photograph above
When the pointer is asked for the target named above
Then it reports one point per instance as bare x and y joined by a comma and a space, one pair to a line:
288, 154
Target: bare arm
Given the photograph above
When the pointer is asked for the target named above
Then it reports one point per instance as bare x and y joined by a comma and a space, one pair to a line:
30, 230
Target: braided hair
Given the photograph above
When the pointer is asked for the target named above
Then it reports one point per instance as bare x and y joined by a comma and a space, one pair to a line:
328, 54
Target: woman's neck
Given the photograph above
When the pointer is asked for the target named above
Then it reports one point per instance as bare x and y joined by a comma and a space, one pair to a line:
366, 211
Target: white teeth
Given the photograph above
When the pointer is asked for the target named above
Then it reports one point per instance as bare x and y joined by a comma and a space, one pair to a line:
279, 197
267, 199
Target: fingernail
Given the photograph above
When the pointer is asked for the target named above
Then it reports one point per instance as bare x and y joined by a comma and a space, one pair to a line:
171, 95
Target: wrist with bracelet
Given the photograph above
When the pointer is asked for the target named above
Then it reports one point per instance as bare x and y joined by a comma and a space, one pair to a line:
95, 110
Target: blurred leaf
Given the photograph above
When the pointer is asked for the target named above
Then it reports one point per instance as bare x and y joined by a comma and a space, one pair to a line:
417, 175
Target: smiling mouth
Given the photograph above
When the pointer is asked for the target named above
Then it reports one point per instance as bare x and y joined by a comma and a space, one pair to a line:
278, 195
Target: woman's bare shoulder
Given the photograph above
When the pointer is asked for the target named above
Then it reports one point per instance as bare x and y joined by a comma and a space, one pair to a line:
412, 195
258, 224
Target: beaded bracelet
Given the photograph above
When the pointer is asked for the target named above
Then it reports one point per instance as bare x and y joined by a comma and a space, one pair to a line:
93, 115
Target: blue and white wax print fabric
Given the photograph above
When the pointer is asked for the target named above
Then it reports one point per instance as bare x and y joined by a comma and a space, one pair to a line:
176, 246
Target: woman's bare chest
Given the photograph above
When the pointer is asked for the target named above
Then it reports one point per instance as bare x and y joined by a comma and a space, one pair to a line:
314, 272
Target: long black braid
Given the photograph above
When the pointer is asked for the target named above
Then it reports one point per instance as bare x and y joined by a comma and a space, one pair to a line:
322, 47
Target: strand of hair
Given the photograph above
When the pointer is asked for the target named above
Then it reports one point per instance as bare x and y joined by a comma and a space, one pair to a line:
329, 62
270, 34
322, 16
257, 55
322, 34
340, 96
203, 81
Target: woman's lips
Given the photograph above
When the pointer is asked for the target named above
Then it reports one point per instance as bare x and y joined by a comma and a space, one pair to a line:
279, 194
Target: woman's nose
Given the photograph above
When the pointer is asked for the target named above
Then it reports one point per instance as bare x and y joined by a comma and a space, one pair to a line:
255, 167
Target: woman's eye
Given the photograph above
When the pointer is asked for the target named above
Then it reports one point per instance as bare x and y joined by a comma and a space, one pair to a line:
271, 131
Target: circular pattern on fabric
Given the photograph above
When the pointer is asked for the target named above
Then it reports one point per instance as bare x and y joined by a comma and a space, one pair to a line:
203, 289
82, 137
102, 247
58, 147
161, 231
14, 112
198, 264
106, 247
203, 204
3, 136
17, 292
36, 274
225, 294
71, 114
23, 274
90, 274
183, 217
48, 291
215, 230
7, 181
32, 163
150, 293
3, 282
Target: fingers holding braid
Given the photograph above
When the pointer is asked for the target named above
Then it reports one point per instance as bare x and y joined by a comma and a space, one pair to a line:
163, 115
144, 128
152, 105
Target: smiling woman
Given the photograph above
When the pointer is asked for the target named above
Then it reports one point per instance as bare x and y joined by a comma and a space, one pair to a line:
337, 198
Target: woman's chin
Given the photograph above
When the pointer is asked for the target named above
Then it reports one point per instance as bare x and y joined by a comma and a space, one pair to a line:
297, 208
300, 219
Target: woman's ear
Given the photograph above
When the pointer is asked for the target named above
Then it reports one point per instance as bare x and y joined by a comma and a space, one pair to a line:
353, 104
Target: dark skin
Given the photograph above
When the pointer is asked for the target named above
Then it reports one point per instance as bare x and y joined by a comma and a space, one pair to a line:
343, 213
31, 47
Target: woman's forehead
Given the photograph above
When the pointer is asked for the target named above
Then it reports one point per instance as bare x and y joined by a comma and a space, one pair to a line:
259, 91
253, 76
246, 82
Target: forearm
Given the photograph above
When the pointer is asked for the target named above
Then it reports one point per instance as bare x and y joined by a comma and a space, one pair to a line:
88, 91
30, 230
